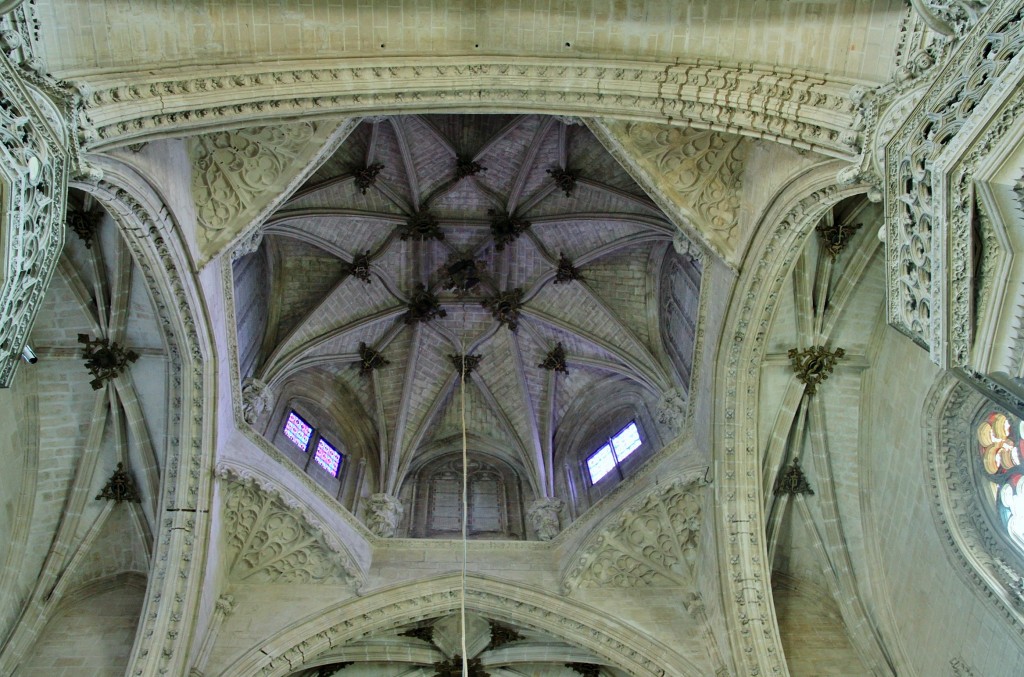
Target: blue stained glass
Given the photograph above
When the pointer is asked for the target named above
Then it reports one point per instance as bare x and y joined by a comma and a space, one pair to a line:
600, 463
328, 457
298, 431
627, 441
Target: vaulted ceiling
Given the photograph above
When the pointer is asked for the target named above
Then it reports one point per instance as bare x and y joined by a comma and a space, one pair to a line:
356, 256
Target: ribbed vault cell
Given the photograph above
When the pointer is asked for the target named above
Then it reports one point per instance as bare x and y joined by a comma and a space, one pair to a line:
515, 240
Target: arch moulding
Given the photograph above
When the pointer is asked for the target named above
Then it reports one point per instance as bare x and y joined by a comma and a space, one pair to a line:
746, 571
796, 108
517, 604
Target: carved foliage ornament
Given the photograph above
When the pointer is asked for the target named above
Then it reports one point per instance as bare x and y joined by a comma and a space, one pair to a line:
502, 635
421, 226
120, 487
359, 267
83, 223
452, 667
104, 359
467, 166
505, 228
555, 360
271, 542
423, 306
835, 236
370, 360
585, 669
232, 168
700, 169
566, 271
462, 275
505, 307
383, 513
655, 541
565, 179
465, 364
365, 177
255, 399
813, 365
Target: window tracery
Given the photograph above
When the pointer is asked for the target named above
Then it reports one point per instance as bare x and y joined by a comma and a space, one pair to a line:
303, 435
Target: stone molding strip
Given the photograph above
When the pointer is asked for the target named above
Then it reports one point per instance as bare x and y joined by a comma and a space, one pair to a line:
796, 108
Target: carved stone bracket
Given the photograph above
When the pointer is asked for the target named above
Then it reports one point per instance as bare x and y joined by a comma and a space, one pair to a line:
383, 513
793, 482
813, 365
104, 359
255, 399
672, 408
543, 516
505, 307
653, 542
120, 487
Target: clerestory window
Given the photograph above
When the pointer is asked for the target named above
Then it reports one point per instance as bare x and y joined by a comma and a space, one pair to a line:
304, 436
607, 460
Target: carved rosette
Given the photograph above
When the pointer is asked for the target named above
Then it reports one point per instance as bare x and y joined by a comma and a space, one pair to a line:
543, 516
255, 399
653, 542
383, 513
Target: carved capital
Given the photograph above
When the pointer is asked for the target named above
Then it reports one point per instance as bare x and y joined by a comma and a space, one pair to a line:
543, 516
383, 513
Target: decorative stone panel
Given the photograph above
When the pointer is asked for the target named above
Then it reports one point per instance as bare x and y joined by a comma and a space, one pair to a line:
270, 541
654, 542
34, 166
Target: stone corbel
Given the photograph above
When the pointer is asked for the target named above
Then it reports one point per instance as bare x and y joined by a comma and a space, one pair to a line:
255, 399
543, 516
383, 513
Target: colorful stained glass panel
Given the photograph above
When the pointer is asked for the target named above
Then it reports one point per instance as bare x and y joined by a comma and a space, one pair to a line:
1000, 445
328, 457
298, 431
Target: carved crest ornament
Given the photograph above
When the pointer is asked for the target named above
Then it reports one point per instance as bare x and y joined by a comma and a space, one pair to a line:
813, 365
120, 487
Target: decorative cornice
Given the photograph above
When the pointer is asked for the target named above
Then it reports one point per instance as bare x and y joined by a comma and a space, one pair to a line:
796, 108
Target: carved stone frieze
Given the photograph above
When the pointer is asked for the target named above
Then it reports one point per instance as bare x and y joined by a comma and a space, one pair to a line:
34, 166
927, 301
699, 170
654, 541
543, 516
383, 513
770, 103
270, 541
255, 399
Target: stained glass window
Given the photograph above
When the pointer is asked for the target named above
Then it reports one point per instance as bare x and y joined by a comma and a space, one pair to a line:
1001, 449
298, 431
621, 445
327, 457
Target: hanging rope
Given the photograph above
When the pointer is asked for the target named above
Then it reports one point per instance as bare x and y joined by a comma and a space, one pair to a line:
465, 497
